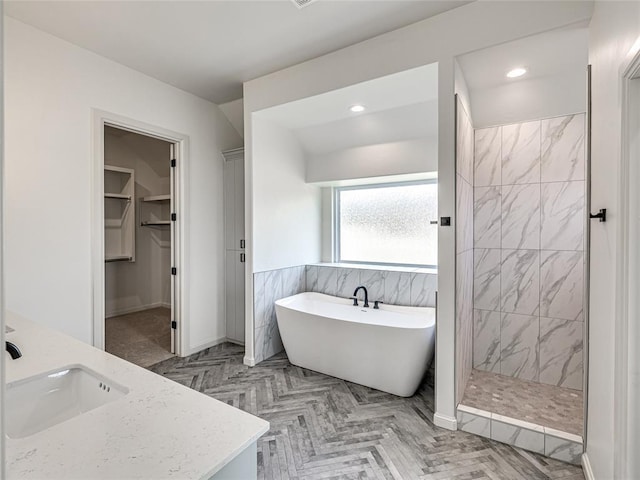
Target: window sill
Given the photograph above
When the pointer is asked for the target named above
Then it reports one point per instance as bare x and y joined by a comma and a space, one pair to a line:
385, 268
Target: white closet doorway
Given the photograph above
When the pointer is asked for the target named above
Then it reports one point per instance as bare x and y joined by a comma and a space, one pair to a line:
136, 297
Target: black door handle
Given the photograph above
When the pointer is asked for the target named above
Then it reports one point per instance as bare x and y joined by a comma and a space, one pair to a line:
602, 215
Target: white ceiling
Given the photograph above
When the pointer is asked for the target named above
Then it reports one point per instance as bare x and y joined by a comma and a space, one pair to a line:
409, 122
209, 48
549, 54
401, 106
409, 87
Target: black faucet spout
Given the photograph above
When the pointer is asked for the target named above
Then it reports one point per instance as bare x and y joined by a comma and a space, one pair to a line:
366, 295
13, 350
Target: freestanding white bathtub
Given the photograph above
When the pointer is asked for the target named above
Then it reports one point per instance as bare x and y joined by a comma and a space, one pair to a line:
388, 349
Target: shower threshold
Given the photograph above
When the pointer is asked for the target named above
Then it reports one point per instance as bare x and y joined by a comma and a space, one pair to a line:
545, 419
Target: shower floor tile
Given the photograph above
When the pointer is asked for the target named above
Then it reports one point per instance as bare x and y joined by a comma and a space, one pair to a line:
547, 405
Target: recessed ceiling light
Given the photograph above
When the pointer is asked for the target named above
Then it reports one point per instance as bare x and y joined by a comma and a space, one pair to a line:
357, 108
516, 72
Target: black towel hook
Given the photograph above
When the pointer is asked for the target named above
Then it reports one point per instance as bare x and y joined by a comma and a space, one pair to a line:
602, 215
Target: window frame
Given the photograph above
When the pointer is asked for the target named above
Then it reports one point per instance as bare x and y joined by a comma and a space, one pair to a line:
336, 221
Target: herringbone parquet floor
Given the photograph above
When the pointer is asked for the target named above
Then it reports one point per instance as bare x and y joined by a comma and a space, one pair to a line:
326, 428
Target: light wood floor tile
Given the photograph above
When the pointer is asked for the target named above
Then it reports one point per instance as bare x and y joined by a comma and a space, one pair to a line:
326, 428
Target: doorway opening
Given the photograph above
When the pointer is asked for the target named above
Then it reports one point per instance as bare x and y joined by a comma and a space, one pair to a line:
138, 201
138, 212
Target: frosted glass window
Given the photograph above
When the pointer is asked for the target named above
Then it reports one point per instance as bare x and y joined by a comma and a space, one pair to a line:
388, 224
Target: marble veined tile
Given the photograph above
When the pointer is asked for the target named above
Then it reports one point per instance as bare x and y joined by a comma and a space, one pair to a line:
521, 216
464, 144
520, 281
259, 314
487, 219
528, 439
488, 157
327, 280
292, 280
486, 340
562, 219
561, 449
348, 280
373, 280
464, 285
272, 292
272, 340
464, 209
397, 288
521, 153
311, 278
488, 263
464, 320
519, 346
563, 151
259, 338
561, 352
468, 422
562, 284
423, 289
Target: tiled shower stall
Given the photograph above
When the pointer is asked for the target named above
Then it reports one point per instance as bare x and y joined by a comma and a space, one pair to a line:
527, 305
529, 215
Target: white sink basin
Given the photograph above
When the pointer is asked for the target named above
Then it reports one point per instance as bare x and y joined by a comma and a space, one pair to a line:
42, 401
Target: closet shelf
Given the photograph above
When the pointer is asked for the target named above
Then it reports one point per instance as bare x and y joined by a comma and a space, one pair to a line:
157, 198
119, 196
119, 214
118, 258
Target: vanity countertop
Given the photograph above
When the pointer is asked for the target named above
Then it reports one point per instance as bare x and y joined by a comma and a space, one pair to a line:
160, 429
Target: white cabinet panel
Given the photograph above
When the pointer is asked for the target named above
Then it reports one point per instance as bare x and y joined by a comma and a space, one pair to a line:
234, 244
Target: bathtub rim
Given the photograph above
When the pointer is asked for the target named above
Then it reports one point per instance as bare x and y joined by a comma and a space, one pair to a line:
412, 313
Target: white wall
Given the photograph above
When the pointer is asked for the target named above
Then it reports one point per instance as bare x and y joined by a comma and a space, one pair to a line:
51, 87
529, 100
145, 283
613, 30
234, 111
462, 89
370, 161
286, 210
437, 39
2, 281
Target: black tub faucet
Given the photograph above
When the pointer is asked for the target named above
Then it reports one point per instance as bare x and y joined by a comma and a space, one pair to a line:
13, 350
366, 296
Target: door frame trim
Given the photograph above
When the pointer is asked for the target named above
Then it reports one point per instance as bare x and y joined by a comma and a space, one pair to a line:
626, 300
101, 119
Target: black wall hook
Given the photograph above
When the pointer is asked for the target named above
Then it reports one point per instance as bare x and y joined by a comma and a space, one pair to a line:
602, 215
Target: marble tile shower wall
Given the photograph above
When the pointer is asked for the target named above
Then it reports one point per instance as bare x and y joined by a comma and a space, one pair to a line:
464, 248
395, 288
267, 288
529, 215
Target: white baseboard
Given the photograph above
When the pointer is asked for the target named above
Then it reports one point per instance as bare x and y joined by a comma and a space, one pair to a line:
249, 361
140, 308
199, 348
445, 421
235, 342
586, 468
